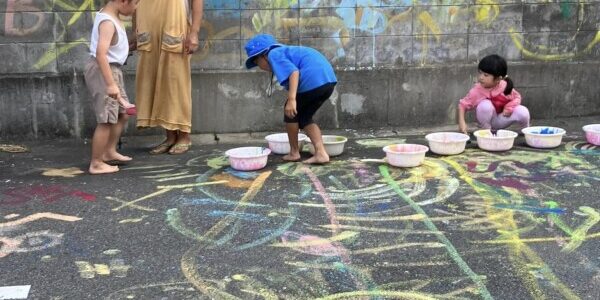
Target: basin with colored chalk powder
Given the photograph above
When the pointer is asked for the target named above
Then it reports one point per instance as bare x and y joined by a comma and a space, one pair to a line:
248, 158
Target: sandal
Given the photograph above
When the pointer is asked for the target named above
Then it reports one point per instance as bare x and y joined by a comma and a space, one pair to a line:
161, 148
180, 148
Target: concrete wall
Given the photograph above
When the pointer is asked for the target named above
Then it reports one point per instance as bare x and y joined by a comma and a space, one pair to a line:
400, 63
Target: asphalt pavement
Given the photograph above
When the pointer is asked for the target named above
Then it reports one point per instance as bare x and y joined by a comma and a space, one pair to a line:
519, 224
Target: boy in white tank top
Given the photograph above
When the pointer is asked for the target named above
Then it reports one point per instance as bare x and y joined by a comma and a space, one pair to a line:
109, 48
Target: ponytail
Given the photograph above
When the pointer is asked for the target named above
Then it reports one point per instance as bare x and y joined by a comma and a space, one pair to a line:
509, 85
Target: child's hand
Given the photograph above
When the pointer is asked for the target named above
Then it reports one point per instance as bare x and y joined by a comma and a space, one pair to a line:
290, 108
462, 127
506, 113
113, 91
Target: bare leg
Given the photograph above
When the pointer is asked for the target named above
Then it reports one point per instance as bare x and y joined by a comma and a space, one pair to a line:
183, 137
314, 133
164, 146
171, 136
99, 144
111, 153
182, 144
292, 132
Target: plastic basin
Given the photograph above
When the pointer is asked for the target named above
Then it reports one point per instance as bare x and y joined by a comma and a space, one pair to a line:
405, 155
280, 144
503, 140
592, 134
248, 158
447, 143
334, 144
543, 136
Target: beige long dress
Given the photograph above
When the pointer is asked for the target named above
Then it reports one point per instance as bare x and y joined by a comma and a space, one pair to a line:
163, 82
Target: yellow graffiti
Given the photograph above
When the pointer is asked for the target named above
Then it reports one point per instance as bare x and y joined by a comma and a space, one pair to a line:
415, 217
39, 216
380, 230
232, 181
273, 11
381, 293
248, 196
163, 190
517, 40
519, 253
188, 261
116, 267
134, 220
67, 172
53, 53
316, 242
486, 11
578, 236
381, 249
56, 51
428, 21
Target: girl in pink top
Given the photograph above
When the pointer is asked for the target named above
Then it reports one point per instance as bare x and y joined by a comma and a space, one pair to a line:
496, 102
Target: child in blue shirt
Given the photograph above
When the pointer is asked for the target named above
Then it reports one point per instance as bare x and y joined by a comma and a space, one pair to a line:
309, 79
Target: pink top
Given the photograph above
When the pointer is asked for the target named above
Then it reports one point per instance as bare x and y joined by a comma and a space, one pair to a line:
496, 95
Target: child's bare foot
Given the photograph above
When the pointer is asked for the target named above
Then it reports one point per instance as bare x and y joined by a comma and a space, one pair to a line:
292, 157
318, 159
118, 157
102, 168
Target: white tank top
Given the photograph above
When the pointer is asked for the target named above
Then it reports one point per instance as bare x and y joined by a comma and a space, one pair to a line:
116, 53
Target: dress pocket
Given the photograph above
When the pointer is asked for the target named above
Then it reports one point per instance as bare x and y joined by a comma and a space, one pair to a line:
143, 41
172, 43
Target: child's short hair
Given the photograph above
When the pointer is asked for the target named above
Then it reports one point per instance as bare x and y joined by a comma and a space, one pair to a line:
496, 65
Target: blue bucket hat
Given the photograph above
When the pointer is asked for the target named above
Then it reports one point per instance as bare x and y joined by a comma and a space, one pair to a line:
259, 44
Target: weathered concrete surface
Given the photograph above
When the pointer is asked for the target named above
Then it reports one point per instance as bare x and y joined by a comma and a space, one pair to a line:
516, 225
230, 102
399, 62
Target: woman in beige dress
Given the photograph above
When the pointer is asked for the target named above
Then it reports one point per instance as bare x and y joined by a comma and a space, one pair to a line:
167, 35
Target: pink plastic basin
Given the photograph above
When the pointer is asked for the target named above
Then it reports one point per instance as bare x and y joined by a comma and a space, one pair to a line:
592, 134
248, 158
405, 155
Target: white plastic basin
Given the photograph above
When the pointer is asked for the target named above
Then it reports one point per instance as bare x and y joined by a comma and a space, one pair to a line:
248, 158
503, 140
334, 144
592, 134
543, 136
405, 155
447, 143
280, 144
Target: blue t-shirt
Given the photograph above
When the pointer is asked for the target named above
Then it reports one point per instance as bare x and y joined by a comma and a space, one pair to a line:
314, 68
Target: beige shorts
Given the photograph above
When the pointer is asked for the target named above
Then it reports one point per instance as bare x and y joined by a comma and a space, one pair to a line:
106, 109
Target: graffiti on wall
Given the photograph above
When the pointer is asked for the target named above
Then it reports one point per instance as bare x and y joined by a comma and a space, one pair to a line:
428, 22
